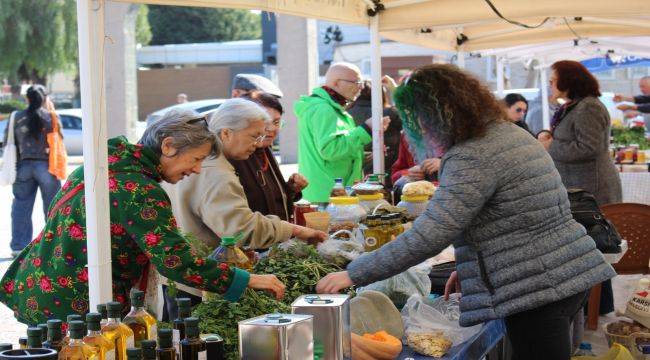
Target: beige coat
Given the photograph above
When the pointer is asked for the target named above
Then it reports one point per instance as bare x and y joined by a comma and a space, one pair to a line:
213, 204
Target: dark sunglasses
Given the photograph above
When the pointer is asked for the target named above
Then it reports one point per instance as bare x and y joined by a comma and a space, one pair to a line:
203, 119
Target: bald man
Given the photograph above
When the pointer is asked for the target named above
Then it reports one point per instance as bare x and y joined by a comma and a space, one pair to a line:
641, 103
330, 145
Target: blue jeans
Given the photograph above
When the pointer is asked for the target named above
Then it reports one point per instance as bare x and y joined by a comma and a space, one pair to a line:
30, 176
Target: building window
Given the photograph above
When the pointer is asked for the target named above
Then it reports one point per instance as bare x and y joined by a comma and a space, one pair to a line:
606, 75
638, 72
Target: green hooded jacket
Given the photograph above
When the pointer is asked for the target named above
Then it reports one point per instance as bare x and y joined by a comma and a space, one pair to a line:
330, 145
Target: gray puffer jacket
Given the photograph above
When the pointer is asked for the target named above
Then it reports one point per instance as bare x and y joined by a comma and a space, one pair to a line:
502, 204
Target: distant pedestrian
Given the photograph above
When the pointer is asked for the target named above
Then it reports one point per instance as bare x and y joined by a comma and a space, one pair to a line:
181, 98
30, 133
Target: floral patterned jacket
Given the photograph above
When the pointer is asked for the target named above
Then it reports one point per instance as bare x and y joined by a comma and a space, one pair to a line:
49, 279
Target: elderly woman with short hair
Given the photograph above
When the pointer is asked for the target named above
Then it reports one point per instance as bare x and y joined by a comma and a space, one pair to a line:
49, 279
213, 204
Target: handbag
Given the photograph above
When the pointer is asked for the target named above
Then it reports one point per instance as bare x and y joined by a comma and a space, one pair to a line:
10, 156
585, 211
58, 158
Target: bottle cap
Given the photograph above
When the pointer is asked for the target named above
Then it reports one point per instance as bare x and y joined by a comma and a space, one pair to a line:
114, 309
137, 298
228, 241
54, 324
134, 353
77, 329
73, 317
22, 341
93, 321
101, 308
34, 338
148, 349
43, 328
184, 302
54, 329
338, 180
165, 337
191, 327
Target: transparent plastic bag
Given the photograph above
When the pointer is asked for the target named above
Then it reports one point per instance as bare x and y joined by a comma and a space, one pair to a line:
431, 325
340, 252
399, 288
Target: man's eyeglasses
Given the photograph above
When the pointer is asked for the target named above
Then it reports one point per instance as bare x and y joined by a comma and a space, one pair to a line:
203, 119
259, 139
357, 83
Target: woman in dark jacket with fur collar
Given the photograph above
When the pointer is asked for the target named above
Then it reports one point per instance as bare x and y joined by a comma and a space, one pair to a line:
266, 190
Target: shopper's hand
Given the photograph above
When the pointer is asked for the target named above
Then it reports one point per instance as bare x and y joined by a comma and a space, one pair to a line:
267, 282
415, 173
631, 114
333, 283
625, 107
297, 182
385, 121
452, 285
545, 138
389, 83
431, 166
308, 235
621, 97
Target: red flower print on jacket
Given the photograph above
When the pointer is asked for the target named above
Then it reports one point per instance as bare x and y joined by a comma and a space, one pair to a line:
63, 281
30, 282
196, 279
76, 231
83, 275
112, 184
9, 287
148, 214
45, 283
152, 239
117, 230
36, 262
112, 159
130, 186
141, 259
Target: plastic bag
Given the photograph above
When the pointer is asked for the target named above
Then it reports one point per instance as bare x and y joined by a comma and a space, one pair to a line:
340, 252
431, 325
399, 288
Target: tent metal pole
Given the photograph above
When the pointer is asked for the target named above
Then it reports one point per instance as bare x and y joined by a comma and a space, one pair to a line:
90, 19
460, 59
500, 79
377, 106
546, 116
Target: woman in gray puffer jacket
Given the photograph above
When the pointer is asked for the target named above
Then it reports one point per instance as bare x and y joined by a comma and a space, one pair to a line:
520, 255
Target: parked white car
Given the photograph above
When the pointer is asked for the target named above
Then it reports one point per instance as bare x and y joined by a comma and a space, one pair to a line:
71, 124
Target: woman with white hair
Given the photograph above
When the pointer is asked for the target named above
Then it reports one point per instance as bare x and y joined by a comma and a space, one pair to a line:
49, 279
213, 204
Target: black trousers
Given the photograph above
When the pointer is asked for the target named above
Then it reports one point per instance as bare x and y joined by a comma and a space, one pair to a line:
544, 333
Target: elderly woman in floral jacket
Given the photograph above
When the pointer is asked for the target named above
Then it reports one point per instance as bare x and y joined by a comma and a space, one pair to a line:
49, 279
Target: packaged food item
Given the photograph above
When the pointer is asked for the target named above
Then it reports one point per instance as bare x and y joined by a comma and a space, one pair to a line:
228, 252
415, 205
434, 344
372, 202
369, 187
375, 233
299, 211
339, 189
345, 213
419, 188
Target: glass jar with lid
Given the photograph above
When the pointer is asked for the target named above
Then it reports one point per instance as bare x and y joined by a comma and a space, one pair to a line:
415, 205
345, 213
372, 201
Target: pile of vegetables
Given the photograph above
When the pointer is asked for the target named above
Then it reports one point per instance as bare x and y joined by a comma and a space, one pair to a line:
626, 136
298, 266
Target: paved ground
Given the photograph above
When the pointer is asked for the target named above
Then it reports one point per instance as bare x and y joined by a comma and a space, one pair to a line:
11, 330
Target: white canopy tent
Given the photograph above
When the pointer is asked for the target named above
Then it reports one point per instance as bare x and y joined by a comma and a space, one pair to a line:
433, 23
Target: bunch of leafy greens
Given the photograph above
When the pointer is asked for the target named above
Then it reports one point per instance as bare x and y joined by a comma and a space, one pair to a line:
221, 317
627, 136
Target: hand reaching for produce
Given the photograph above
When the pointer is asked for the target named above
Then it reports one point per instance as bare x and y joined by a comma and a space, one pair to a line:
416, 173
385, 121
452, 285
268, 283
308, 235
333, 283
297, 182
431, 166
625, 107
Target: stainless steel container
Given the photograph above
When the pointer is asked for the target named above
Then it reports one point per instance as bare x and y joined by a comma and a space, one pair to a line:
331, 323
277, 337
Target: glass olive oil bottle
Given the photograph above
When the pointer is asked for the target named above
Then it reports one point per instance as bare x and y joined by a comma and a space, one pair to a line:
95, 339
139, 320
54, 335
116, 332
192, 347
76, 348
166, 350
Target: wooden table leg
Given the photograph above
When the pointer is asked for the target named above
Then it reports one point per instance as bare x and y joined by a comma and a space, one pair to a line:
593, 309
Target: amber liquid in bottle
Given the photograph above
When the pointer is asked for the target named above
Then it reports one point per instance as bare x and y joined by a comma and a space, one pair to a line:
116, 332
76, 349
192, 347
144, 325
96, 340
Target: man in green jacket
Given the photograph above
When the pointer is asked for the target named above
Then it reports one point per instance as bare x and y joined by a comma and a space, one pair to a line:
330, 145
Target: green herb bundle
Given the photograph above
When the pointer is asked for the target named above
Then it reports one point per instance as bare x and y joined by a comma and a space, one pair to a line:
219, 316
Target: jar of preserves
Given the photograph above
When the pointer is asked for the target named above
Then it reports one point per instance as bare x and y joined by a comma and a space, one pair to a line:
345, 213
371, 202
415, 205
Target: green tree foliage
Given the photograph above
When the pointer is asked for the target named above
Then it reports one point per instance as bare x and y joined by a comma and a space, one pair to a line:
142, 27
182, 25
37, 38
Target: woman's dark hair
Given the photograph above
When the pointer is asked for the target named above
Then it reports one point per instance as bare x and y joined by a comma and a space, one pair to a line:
366, 93
441, 105
265, 100
514, 98
36, 95
575, 79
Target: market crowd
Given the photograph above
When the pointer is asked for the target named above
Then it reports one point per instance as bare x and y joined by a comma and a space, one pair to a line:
501, 198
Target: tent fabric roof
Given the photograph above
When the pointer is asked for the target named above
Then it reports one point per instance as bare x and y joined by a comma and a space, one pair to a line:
443, 21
